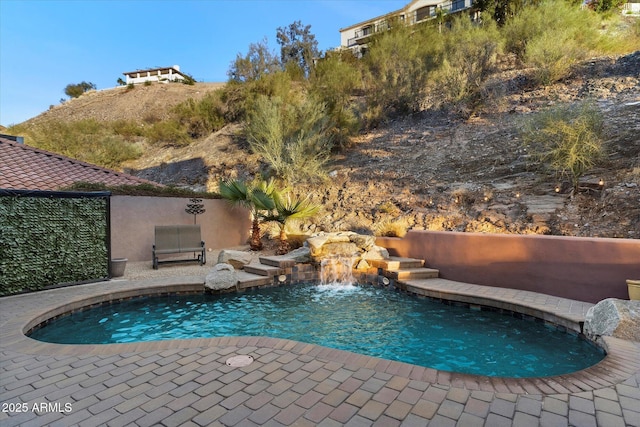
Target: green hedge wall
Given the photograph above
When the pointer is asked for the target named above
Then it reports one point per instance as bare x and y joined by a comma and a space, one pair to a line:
52, 239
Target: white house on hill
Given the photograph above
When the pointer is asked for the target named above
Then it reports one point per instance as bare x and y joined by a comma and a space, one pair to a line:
356, 36
166, 74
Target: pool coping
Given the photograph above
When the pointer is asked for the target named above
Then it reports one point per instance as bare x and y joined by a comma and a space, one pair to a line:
20, 313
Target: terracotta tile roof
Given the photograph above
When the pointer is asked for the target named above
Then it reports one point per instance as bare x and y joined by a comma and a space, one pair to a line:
27, 168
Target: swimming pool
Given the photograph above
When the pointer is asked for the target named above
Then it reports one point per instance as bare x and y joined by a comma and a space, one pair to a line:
363, 319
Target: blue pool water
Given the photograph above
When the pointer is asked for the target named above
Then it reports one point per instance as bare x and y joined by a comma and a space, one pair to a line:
363, 319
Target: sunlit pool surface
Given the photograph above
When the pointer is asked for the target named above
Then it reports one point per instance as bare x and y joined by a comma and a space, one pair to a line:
364, 319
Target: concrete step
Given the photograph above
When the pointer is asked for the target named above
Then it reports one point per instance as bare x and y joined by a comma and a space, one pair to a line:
280, 261
250, 280
413, 273
396, 263
262, 270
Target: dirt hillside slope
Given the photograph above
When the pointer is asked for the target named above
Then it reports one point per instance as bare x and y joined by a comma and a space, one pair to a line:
142, 103
433, 170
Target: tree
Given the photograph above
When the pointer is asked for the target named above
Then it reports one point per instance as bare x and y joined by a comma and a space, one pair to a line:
75, 90
297, 46
258, 61
254, 196
286, 209
267, 203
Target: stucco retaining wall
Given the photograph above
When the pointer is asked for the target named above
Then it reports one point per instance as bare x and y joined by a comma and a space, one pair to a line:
584, 269
133, 219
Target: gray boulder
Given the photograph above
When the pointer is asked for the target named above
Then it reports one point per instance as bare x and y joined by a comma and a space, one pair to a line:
614, 317
300, 255
221, 276
238, 259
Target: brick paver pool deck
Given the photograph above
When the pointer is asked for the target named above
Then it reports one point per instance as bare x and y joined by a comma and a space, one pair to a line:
188, 383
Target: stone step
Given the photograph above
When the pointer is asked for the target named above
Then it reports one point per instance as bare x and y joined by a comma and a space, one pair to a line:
396, 263
280, 261
262, 270
250, 280
413, 273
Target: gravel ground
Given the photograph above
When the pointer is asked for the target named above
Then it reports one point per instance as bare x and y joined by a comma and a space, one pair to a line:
144, 269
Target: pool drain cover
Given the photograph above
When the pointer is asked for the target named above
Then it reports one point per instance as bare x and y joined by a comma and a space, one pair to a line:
239, 361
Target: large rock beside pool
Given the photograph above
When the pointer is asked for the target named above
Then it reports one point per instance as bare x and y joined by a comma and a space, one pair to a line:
222, 276
344, 244
615, 318
238, 259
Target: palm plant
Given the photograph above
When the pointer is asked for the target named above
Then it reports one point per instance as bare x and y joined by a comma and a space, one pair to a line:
256, 197
288, 208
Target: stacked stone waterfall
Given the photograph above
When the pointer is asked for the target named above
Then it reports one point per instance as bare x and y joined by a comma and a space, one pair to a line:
337, 270
338, 254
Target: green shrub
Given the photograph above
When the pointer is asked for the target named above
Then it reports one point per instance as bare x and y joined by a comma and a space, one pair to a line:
86, 140
128, 129
188, 80
240, 98
566, 139
75, 90
396, 70
605, 6
552, 55
167, 133
140, 190
335, 81
200, 118
551, 37
468, 56
293, 139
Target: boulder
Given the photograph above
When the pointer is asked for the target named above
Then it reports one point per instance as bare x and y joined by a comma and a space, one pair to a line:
614, 317
334, 249
221, 276
364, 241
363, 265
376, 252
238, 259
315, 243
300, 255
344, 244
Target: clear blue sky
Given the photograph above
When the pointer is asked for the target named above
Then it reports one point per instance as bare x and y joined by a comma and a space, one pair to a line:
47, 44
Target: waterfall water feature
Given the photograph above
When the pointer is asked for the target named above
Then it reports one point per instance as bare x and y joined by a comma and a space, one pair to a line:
337, 270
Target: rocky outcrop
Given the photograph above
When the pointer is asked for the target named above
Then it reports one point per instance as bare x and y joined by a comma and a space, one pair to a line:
238, 259
345, 244
614, 317
221, 276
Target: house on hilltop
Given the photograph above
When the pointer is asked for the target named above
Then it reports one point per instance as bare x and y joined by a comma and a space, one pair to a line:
356, 37
165, 74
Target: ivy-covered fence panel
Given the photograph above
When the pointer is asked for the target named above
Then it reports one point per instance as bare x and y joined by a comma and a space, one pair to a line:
52, 238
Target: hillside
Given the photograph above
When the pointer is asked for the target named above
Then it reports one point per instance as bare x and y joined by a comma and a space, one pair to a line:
434, 170
119, 103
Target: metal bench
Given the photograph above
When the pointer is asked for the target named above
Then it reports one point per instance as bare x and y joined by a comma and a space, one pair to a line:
178, 239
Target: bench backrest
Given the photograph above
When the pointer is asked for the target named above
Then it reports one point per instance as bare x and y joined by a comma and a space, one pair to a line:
177, 236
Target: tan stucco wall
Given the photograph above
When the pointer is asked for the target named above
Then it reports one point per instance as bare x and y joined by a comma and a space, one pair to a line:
133, 219
584, 269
